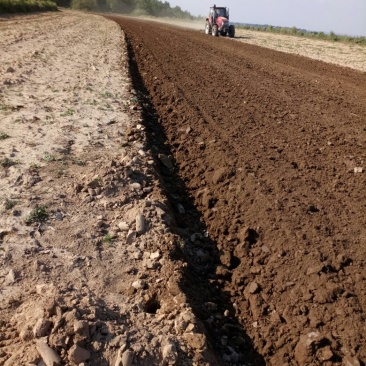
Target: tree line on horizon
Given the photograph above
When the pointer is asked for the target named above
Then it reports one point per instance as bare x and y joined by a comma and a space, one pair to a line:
26, 6
131, 7
155, 8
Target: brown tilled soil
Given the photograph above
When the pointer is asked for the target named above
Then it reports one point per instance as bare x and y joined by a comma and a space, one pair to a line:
269, 151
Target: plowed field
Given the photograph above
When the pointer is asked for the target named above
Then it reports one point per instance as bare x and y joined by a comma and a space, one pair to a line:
270, 159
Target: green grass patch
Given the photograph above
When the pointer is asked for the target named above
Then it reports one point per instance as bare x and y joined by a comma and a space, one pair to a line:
26, 6
39, 214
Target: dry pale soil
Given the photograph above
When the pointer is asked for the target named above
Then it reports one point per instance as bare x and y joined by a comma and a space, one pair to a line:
171, 198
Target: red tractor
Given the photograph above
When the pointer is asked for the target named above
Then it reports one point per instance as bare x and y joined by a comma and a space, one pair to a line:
217, 22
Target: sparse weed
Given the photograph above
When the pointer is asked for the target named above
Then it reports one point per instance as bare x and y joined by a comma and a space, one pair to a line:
105, 107
60, 173
91, 102
49, 157
79, 162
108, 239
4, 136
39, 214
4, 107
134, 100
9, 204
34, 166
6, 162
68, 112
107, 95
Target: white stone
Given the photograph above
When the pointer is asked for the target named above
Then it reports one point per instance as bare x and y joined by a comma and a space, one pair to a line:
139, 284
166, 161
170, 354
135, 186
140, 224
123, 226
49, 356
127, 358
224, 340
350, 361
159, 211
11, 277
181, 209
41, 328
149, 263
155, 255
78, 354
81, 327
131, 237
137, 255
253, 287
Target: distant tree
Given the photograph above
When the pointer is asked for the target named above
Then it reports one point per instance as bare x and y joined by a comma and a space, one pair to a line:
135, 7
63, 3
121, 6
84, 4
333, 36
102, 5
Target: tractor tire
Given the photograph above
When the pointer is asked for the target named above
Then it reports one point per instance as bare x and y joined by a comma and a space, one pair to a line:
215, 30
231, 32
207, 28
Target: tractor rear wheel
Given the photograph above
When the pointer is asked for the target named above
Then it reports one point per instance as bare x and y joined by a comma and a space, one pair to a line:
208, 28
231, 32
215, 30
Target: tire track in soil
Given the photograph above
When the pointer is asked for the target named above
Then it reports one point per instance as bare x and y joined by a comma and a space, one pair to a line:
268, 160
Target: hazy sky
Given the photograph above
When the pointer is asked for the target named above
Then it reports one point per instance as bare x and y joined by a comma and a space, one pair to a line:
340, 16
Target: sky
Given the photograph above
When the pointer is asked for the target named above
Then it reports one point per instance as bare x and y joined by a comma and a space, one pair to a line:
340, 16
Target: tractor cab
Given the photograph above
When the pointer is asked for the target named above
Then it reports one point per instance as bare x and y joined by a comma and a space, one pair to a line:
220, 12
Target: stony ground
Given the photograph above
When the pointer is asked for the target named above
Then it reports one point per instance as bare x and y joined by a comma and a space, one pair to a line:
142, 225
